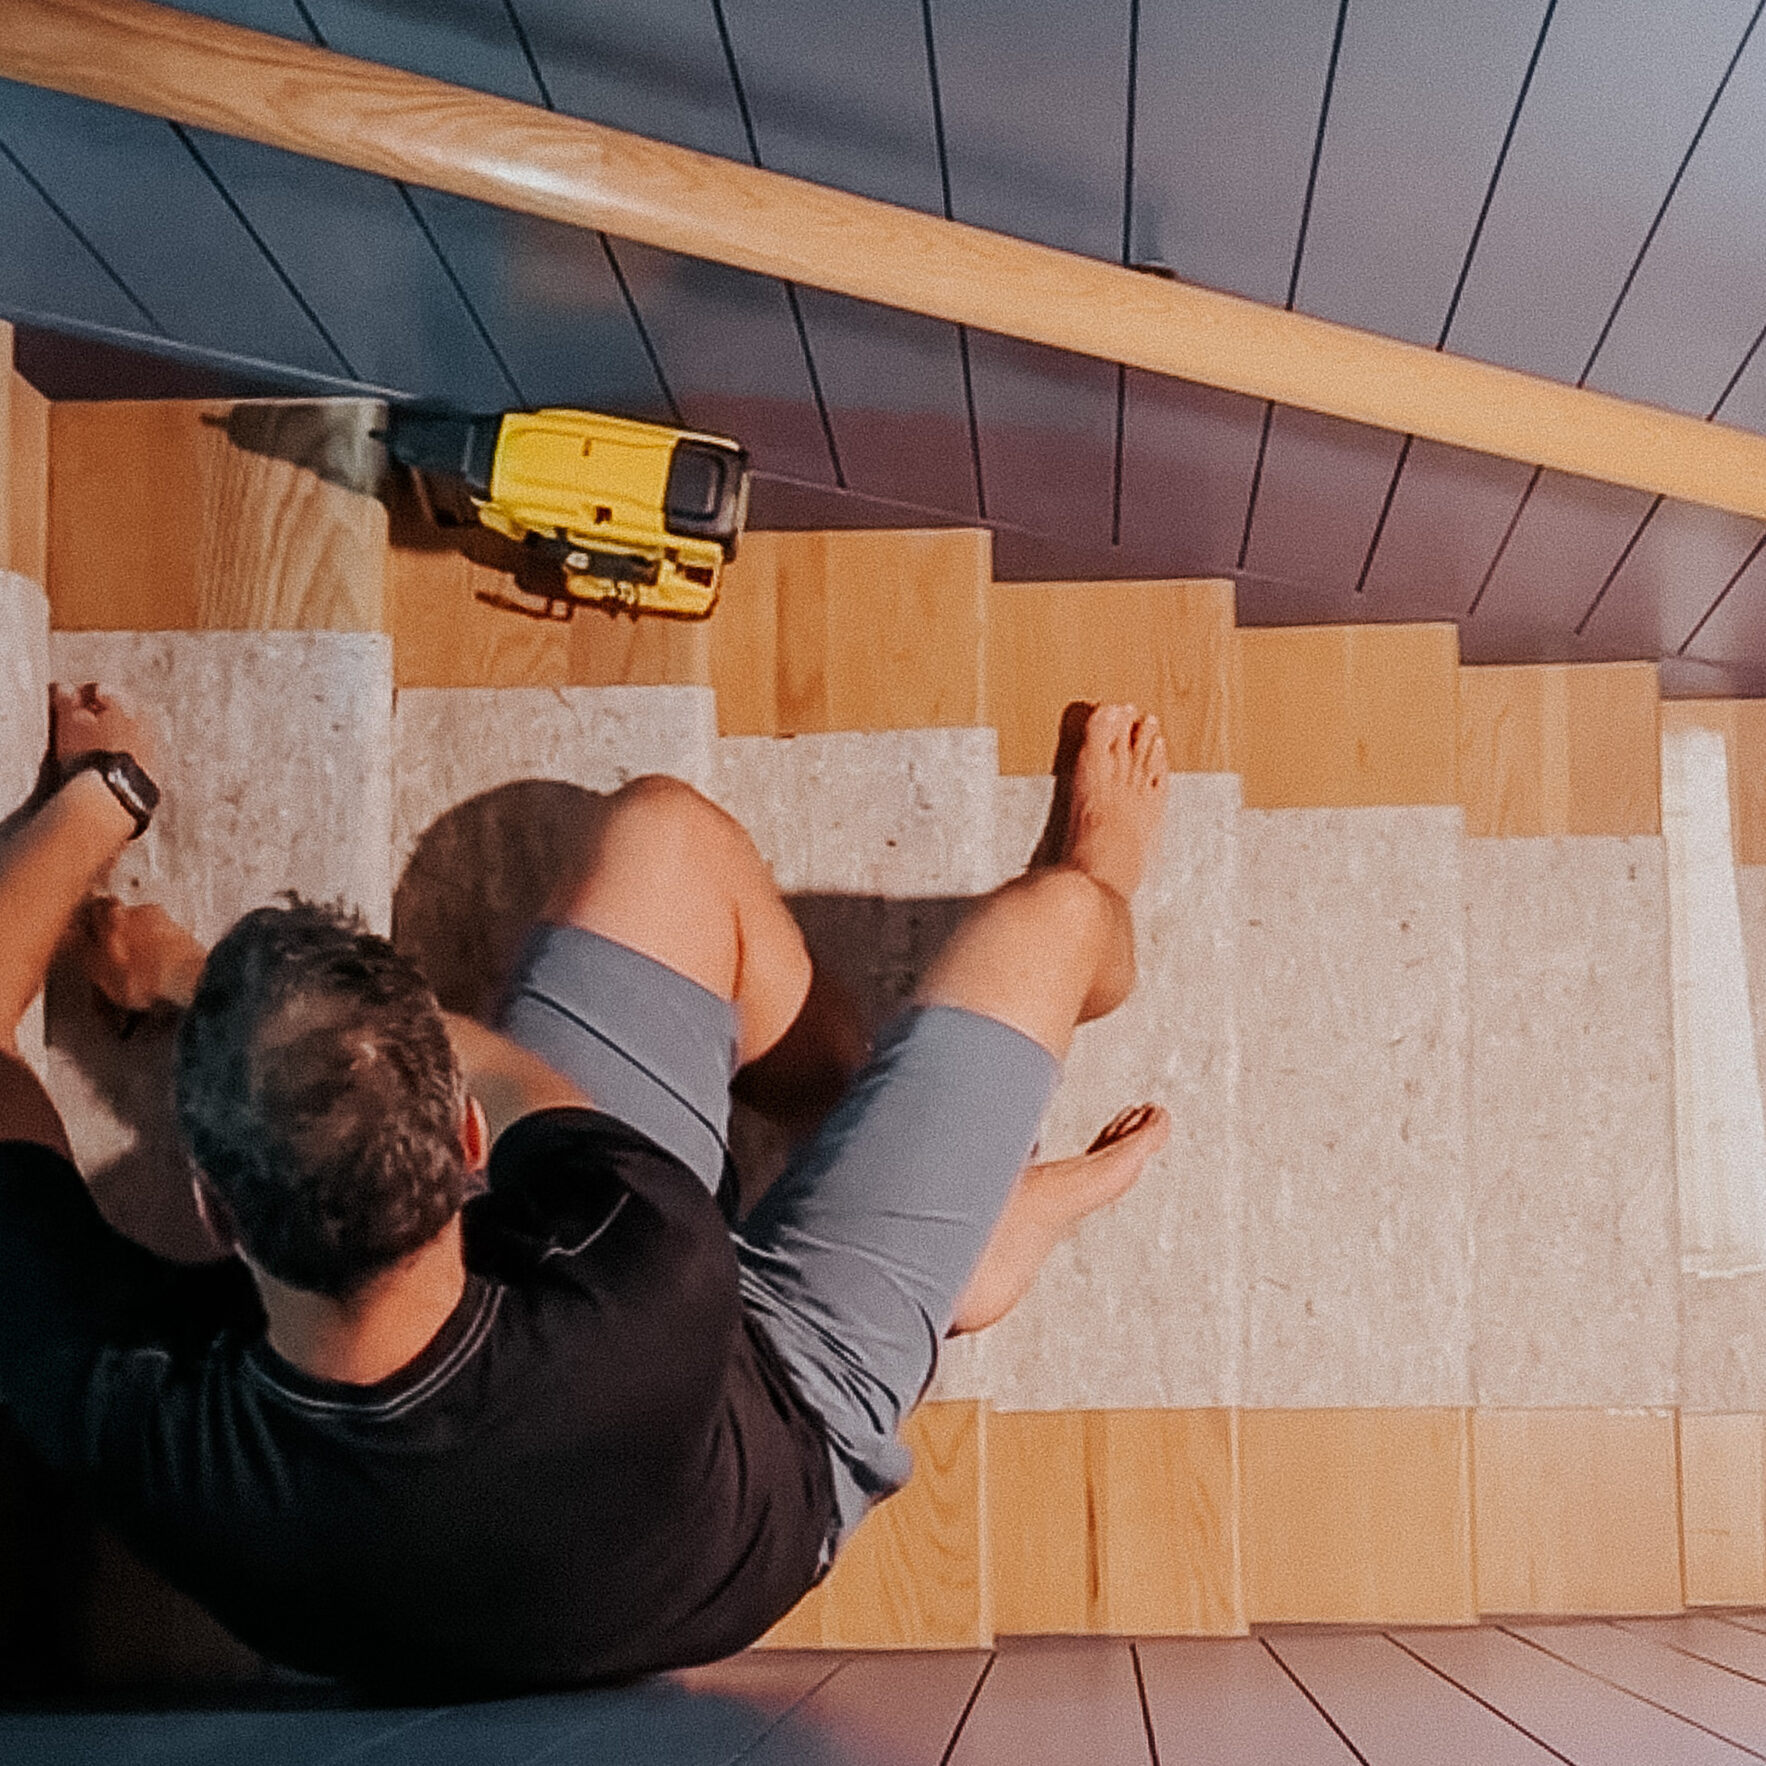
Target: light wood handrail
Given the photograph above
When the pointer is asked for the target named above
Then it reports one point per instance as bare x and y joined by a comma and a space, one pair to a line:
311, 101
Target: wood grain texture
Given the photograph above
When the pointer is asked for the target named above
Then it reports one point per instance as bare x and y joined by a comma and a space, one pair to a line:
852, 630
1349, 716
1743, 724
27, 473
1554, 748
1116, 1522
1577, 1511
198, 514
1723, 1509
914, 1575
1356, 1516
399, 125
1164, 646
443, 635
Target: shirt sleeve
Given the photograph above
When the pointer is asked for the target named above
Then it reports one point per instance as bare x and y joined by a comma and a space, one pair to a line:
73, 1290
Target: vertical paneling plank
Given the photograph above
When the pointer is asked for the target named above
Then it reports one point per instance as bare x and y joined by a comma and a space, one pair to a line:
617, 650
914, 1576
1164, 1491
1577, 1511
352, 247
745, 637
1035, 128
28, 478
1743, 725
1167, 647
1041, 1528
255, 516
866, 631
1346, 716
1422, 95
104, 167
443, 635
46, 268
1559, 749
893, 382
1356, 1516
1723, 1509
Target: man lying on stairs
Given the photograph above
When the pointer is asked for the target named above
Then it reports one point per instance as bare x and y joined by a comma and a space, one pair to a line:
578, 1426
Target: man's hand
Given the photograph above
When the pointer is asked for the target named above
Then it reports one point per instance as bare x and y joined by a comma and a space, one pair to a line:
88, 717
137, 957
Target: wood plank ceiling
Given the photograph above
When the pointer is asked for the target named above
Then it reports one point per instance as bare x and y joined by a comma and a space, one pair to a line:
1575, 188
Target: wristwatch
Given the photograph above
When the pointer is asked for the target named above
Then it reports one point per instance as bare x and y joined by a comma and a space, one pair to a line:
127, 779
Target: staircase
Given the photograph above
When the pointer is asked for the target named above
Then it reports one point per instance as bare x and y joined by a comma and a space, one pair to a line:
1394, 1330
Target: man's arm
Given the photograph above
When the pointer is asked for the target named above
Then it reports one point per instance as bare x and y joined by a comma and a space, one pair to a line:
505, 1078
48, 866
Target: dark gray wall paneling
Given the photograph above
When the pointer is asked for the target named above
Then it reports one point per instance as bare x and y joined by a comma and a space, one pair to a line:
1226, 114
350, 244
729, 350
727, 341
1048, 440
543, 293
892, 382
44, 268
1562, 550
1675, 568
469, 42
195, 266
548, 296
1735, 633
655, 67
1424, 92
1187, 460
1227, 107
1617, 100
1422, 98
1619, 92
1318, 503
1447, 518
1036, 124
1699, 300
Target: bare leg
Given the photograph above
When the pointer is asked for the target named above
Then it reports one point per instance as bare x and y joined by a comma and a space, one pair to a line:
1048, 952
1055, 947
1049, 1201
670, 875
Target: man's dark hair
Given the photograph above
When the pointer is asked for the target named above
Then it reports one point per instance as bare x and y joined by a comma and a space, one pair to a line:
320, 1096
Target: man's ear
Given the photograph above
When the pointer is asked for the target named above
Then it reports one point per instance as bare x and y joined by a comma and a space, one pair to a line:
475, 1136
214, 1214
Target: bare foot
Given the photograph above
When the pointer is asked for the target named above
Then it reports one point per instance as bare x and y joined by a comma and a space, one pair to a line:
1117, 798
1048, 1202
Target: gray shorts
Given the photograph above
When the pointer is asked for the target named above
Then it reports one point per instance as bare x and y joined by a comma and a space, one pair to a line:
854, 1260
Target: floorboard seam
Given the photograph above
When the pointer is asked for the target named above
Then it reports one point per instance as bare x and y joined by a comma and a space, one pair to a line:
956, 1735
1477, 1699
1307, 1694
1642, 1699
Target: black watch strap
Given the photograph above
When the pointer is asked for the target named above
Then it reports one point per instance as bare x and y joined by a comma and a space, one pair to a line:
127, 779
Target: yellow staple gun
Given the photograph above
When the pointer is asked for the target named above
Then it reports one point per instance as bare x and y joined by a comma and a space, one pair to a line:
618, 514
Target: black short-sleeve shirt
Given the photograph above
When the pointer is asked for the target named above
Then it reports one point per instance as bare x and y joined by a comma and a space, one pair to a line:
596, 1469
